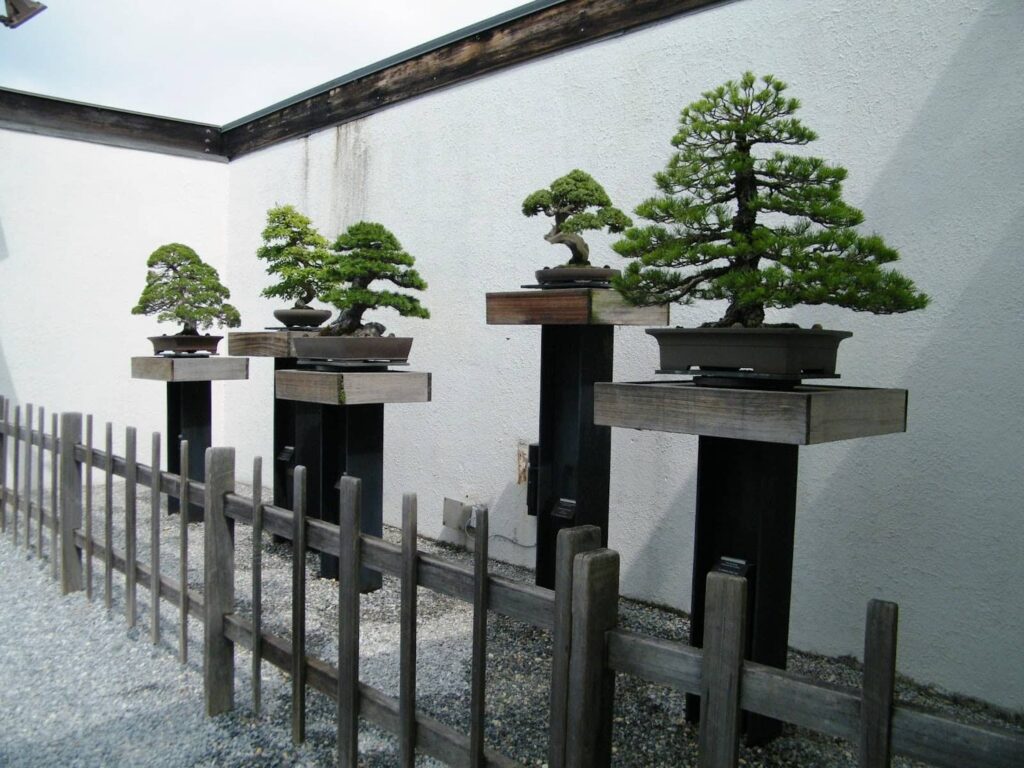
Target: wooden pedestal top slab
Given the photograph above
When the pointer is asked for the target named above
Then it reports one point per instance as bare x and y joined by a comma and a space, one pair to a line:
569, 306
190, 368
264, 343
353, 388
803, 416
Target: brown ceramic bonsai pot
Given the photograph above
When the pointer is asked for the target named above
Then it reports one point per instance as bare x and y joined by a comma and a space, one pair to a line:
781, 351
394, 349
183, 343
301, 317
573, 277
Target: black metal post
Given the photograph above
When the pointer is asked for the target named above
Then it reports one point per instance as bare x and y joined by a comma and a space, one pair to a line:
188, 418
746, 506
574, 454
284, 440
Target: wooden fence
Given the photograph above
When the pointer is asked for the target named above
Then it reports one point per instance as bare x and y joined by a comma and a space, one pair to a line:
588, 648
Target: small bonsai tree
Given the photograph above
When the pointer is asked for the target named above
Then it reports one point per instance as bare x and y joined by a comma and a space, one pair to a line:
182, 288
759, 230
365, 252
568, 201
295, 253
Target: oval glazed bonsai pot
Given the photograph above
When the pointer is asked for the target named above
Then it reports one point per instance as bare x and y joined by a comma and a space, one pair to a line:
184, 344
391, 348
299, 317
569, 277
784, 351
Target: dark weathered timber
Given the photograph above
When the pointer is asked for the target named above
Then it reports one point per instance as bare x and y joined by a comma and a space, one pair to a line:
48, 116
944, 743
41, 490
28, 468
4, 407
130, 544
183, 500
571, 542
407, 641
17, 473
724, 643
55, 557
70, 502
28, 480
108, 517
154, 541
299, 608
257, 582
879, 684
595, 610
569, 306
559, 27
350, 501
87, 511
189, 419
219, 583
478, 680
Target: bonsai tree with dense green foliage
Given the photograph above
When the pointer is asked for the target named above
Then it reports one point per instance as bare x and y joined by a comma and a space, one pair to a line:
181, 287
757, 229
366, 252
568, 201
295, 253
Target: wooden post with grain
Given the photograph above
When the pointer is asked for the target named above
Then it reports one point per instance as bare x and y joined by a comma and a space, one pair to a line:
299, 607
108, 518
183, 502
350, 512
154, 541
130, 544
879, 684
70, 502
257, 581
87, 511
478, 680
218, 581
3, 464
55, 557
407, 641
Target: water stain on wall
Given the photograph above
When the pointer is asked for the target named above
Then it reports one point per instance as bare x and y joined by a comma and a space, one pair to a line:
347, 187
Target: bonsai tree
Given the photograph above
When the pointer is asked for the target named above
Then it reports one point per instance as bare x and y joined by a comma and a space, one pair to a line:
568, 201
366, 252
181, 287
295, 253
757, 229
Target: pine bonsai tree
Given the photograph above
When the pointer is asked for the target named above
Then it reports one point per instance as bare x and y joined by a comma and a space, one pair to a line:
759, 230
295, 252
568, 201
365, 252
181, 287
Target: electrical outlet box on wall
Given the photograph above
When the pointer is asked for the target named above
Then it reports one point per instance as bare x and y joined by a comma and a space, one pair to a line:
454, 518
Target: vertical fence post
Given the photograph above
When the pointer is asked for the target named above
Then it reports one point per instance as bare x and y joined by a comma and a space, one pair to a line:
183, 504
88, 507
407, 640
55, 552
3, 464
27, 488
478, 680
154, 540
257, 581
350, 512
40, 484
17, 464
570, 542
219, 582
724, 640
70, 502
595, 610
130, 542
108, 519
879, 684
299, 606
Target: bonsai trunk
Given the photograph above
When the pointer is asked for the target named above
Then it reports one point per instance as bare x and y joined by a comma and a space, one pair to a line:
749, 315
302, 302
575, 243
349, 321
188, 329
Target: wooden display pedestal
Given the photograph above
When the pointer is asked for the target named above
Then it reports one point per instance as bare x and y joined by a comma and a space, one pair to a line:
188, 408
746, 485
339, 429
569, 479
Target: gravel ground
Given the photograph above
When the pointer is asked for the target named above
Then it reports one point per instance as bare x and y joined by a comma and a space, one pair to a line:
78, 689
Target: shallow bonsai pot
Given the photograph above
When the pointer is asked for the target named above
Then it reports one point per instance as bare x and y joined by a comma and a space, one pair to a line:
298, 317
391, 348
785, 351
180, 344
570, 277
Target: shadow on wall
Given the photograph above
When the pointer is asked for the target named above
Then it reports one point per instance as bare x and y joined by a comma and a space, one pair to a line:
935, 507
6, 383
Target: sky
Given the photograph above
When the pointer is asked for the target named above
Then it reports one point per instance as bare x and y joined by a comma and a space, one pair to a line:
215, 61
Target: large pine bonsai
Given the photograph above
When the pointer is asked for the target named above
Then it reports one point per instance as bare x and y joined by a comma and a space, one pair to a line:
295, 253
366, 252
568, 201
181, 287
757, 229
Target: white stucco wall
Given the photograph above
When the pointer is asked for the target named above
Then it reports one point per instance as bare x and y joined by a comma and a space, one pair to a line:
920, 101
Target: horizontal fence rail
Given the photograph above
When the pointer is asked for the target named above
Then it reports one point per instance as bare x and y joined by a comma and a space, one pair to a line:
588, 646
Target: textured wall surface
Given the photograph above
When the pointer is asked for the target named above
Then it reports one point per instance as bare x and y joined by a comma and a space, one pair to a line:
920, 101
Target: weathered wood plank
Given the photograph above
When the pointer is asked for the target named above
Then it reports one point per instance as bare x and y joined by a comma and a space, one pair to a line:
108, 517
214, 368
26, 491
183, 500
350, 512
660, 661
725, 634
41, 489
70, 502
257, 582
879, 684
607, 307
359, 388
803, 416
4, 414
87, 511
219, 582
16, 472
570, 542
595, 610
28, 480
130, 543
945, 743
299, 607
569, 306
55, 556
478, 679
154, 541
407, 637
264, 343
